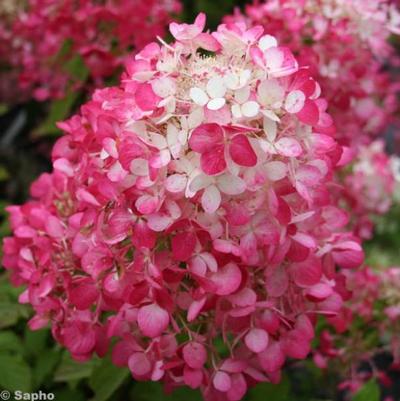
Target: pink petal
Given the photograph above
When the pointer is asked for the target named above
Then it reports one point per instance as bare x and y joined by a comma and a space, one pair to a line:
205, 137
256, 340
305, 240
213, 162
183, 245
38, 322
308, 175
86, 196
195, 309
227, 279
147, 204
143, 236
222, 381
54, 227
307, 273
83, 294
192, 377
270, 321
295, 345
348, 259
288, 147
241, 151
194, 354
280, 62
272, 359
238, 388
277, 282
309, 114
319, 292
152, 320
145, 97
207, 42
200, 21
139, 364
257, 56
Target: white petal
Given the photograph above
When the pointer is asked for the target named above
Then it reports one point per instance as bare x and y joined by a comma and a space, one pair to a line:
164, 87
241, 95
172, 134
267, 147
245, 75
211, 199
270, 129
276, 170
195, 118
199, 96
173, 209
216, 87
182, 137
230, 184
231, 80
266, 42
158, 140
103, 154
295, 101
250, 109
236, 111
216, 104
270, 93
139, 167
199, 182
176, 183
271, 115
170, 105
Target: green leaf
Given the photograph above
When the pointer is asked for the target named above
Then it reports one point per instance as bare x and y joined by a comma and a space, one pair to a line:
3, 108
9, 341
269, 391
59, 111
66, 394
15, 373
370, 391
44, 366
70, 370
4, 175
153, 391
35, 341
105, 379
10, 313
77, 68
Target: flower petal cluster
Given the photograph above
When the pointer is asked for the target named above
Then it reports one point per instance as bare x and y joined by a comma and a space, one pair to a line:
189, 216
45, 35
345, 44
370, 188
373, 306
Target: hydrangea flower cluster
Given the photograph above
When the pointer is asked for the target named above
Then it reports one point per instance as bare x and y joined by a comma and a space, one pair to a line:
345, 43
190, 216
375, 301
44, 35
370, 188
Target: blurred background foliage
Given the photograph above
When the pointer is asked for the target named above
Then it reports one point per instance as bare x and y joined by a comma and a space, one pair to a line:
31, 361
